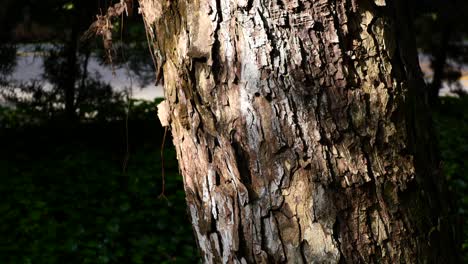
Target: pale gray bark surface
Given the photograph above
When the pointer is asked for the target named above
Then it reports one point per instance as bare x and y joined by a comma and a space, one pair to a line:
298, 127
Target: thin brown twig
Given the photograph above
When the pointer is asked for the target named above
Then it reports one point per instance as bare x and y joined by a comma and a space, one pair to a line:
129, 95
162, 166
155, 65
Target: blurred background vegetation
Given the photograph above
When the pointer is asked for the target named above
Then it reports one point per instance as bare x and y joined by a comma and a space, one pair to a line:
80, 165
74, 194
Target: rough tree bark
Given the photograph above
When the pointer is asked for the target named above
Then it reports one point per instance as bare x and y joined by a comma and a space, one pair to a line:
301, 130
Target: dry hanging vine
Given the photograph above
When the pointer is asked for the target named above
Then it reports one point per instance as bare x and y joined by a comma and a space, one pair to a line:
103, 27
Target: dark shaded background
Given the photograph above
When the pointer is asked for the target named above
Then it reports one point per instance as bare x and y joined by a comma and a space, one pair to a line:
80, 161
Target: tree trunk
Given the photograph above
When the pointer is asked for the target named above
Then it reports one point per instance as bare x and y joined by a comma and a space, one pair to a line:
69, 81
301, 130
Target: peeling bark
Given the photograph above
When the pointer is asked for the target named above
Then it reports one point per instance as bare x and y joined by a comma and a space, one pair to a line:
301, 130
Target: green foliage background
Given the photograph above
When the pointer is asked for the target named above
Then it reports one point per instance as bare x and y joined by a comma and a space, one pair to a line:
451, 121
65, 197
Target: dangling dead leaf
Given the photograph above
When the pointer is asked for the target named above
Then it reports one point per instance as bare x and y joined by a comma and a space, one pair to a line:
103, 27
